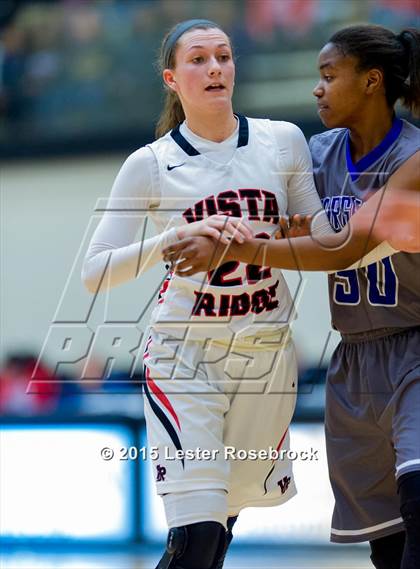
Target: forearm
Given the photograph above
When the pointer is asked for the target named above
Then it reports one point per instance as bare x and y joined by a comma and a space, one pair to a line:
106, 267
334, 253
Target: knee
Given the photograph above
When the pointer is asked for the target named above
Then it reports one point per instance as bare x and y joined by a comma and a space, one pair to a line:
387, 551
194, 546
409, 491
410, 512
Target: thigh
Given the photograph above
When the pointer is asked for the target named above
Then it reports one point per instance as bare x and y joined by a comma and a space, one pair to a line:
261, 408
406, 425
185, 419
361, 456
403, 355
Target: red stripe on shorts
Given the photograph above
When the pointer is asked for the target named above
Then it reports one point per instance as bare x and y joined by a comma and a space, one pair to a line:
161, 295
146, 349
162, 397
282, 440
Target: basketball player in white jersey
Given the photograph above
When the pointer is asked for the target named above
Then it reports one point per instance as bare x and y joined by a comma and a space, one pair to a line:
219, 363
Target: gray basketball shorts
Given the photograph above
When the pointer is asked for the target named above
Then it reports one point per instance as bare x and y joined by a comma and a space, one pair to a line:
372, 429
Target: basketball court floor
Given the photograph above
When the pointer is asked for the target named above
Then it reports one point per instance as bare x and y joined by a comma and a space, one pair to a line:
240, 557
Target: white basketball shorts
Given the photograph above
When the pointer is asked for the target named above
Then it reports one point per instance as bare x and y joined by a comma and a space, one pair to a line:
218, 415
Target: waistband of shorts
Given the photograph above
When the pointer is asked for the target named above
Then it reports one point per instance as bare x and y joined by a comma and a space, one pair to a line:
370, 335
264, 340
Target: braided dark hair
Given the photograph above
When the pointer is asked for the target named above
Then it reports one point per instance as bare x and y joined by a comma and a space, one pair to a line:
397, 55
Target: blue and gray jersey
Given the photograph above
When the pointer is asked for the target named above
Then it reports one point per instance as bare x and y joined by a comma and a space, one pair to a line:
386, 293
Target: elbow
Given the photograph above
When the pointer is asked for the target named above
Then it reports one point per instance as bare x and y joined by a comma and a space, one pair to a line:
345, 262
89, 280
95, 272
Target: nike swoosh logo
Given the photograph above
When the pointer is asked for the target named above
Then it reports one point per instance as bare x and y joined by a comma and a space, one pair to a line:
172, 167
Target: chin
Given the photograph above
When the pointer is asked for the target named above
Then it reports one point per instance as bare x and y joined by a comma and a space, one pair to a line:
330, 122
221, 103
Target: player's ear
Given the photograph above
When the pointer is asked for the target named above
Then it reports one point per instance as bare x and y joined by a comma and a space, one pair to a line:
374, 80
169, 79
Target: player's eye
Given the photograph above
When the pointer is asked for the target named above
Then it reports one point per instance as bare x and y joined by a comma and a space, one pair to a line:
224, 57
198, 59
328, 78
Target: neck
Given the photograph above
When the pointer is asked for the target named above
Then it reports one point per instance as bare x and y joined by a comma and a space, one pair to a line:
216, 127
369, 130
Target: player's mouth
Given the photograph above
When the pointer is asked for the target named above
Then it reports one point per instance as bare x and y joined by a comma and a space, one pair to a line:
215, 87
322, 107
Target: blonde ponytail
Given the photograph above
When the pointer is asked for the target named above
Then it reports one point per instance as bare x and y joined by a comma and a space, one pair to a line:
172, 114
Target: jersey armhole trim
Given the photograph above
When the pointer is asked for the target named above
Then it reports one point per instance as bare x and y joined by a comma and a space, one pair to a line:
155, 183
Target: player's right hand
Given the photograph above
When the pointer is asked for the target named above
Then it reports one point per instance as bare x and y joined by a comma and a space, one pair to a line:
194, 255
294, 226
219, 227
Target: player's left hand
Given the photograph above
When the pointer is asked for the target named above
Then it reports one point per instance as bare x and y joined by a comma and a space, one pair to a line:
195, 254
294, 226
221, 227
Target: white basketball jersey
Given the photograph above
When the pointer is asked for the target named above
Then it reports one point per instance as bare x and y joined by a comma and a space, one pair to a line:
237, 298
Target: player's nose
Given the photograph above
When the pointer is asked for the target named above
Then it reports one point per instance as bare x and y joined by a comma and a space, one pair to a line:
318, 90
214, 67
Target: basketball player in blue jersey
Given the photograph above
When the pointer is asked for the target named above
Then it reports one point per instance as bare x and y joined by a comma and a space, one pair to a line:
210, 172
373, 394
373, 385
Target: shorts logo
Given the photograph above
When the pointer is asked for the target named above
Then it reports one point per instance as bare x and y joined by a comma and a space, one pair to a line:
161, 472
284, 484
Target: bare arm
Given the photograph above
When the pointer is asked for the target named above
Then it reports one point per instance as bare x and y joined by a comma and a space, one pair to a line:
327, 253
393, 213
301, 253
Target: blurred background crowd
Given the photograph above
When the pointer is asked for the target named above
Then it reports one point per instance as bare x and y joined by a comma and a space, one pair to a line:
79, 74
29, 388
